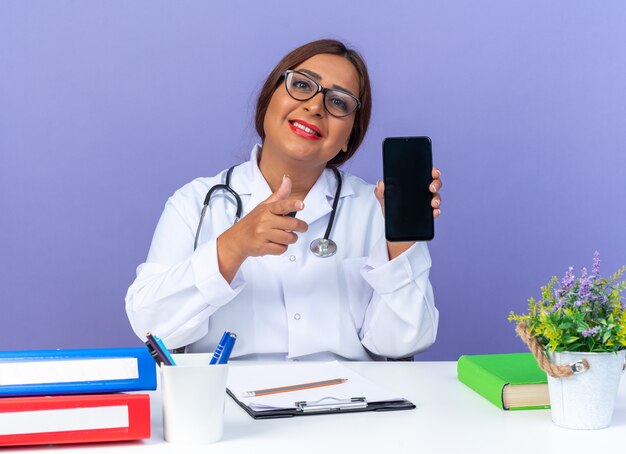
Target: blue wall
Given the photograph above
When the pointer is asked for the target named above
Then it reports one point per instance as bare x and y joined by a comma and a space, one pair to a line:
107, 107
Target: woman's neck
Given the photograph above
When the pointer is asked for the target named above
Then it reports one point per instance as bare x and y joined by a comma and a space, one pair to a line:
302, 175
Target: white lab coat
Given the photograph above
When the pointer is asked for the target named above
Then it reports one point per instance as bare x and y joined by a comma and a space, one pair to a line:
355, 305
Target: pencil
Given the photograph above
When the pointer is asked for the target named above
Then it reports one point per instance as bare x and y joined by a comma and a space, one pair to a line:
290, 388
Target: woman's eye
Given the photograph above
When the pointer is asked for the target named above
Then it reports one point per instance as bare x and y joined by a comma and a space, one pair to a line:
339, 103
301, 85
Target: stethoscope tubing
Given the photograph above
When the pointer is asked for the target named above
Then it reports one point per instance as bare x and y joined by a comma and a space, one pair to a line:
331, 221
226, 187
207, 200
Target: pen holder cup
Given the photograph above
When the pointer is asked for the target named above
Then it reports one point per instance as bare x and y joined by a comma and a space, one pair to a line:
193, 399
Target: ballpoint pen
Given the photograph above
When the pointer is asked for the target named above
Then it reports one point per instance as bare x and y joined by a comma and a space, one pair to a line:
220, 348
290, 388
161, 351
228, 348
154, 352
159, 341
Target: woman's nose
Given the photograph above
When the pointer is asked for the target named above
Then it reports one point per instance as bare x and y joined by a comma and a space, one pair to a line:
315, 105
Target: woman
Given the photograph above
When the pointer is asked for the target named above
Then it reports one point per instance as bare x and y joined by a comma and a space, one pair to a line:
258, 277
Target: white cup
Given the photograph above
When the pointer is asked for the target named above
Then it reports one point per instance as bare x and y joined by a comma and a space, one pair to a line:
193, 399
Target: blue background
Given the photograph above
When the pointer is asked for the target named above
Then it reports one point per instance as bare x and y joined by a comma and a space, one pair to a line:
108, 107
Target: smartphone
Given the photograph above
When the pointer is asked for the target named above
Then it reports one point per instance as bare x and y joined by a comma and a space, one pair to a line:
407, 173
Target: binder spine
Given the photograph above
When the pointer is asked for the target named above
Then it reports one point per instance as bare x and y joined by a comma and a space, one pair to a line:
138, 426
145, 381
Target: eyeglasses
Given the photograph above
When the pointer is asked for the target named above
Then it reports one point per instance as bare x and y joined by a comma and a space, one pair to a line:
338, 103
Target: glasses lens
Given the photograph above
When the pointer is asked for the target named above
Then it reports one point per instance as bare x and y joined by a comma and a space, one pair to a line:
300, 87
339, 103
303, 88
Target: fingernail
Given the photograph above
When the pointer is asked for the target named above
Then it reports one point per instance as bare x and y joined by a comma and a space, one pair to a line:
432, 188
286, 176
299, 205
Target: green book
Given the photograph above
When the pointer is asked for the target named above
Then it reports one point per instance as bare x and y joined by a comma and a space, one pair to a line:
511, 381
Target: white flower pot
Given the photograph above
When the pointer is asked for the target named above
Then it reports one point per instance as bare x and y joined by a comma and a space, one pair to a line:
585, 400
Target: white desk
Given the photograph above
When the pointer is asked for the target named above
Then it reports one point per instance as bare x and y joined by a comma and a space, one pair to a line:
449, 418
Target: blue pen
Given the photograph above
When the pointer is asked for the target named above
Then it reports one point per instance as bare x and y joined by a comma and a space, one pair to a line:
228, 348
220, 348
164, 349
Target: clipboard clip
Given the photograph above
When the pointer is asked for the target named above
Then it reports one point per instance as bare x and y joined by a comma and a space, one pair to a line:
331, 404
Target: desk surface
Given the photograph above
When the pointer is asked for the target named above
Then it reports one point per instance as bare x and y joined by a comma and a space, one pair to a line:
449, 417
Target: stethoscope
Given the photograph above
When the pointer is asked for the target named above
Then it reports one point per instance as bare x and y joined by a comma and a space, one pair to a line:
321, 247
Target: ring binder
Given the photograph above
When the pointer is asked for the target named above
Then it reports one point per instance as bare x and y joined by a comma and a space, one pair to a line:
76, 371
338, 404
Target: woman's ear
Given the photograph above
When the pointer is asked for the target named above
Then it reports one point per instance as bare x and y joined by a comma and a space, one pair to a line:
344, 149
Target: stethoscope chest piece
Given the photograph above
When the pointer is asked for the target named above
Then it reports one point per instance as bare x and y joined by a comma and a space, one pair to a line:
323, 247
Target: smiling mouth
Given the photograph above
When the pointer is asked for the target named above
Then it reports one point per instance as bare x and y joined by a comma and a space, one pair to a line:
300, 127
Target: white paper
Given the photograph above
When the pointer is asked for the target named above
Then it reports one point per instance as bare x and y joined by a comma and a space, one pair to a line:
67, 371
249, 378
63, 420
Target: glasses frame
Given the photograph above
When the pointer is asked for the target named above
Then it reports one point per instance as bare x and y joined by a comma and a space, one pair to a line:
322, 90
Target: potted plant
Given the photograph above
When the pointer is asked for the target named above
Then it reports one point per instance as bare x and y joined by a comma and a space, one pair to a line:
577, 332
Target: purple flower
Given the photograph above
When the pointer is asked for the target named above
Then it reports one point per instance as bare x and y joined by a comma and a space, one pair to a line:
595, 269
584, 292
578, 303
568, 280
590, 332
557, 305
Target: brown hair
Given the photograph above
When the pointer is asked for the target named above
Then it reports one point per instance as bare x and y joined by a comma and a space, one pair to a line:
302, 53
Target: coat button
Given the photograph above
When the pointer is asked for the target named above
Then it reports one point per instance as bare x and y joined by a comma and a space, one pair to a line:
292, 258
296, 316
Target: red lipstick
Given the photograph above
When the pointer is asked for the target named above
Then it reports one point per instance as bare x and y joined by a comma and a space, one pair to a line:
306, 130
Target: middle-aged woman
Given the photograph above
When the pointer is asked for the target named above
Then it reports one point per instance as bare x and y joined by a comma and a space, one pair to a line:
258, 277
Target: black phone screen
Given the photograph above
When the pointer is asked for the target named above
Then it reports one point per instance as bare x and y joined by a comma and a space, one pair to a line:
407, 169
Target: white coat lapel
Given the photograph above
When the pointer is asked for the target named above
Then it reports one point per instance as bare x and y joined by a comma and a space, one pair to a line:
318, 202
252, 183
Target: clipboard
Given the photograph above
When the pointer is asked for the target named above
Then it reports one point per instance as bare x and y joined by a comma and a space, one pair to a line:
333, 399
317, 408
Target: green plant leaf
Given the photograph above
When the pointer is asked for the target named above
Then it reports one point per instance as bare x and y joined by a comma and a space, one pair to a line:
569, 339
